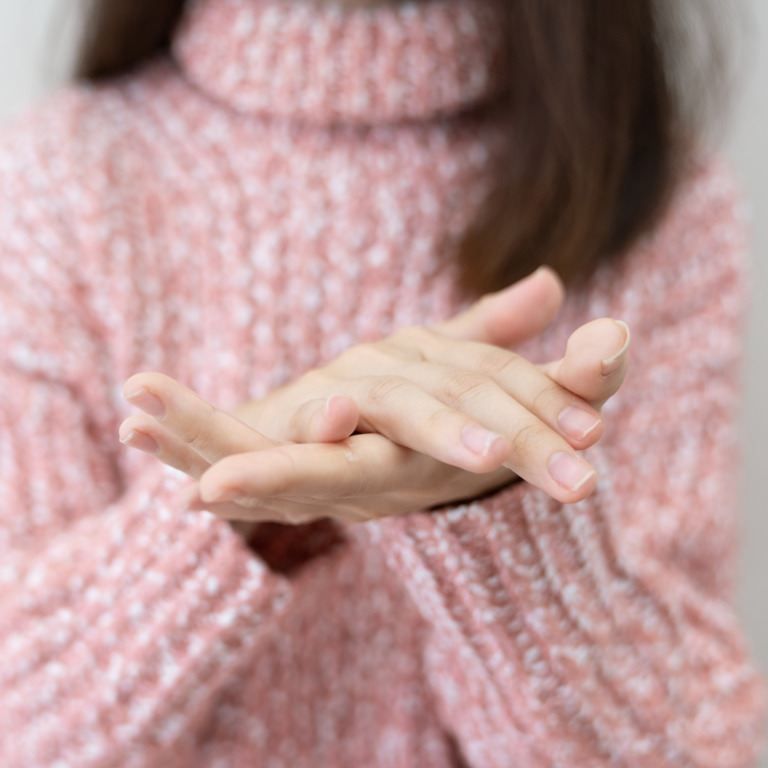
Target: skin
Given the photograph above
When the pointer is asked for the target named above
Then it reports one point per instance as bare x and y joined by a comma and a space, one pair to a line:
426, 417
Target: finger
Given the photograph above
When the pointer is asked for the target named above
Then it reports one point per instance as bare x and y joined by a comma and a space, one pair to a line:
482, 381
323, 421
595, 362
256, 510
511, 316
370, 478
210, 432
369, 466
146, 434
362, 467
401, 410
486, 423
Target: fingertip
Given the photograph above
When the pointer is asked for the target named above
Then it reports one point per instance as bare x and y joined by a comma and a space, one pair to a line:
545, 293
125, 428
557, 287
211, 491
324, 421
580, 425
525, 309
140, 381
575, 479
340, 418
132, 385
190, 499
483, 450
596, 343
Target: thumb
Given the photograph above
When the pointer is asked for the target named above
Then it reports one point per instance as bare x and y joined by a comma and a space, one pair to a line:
595, 361
512, 315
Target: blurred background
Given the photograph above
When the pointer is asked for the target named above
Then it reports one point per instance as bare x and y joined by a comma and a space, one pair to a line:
35, 45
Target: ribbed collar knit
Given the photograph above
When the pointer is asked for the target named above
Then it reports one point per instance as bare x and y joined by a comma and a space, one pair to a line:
326, 64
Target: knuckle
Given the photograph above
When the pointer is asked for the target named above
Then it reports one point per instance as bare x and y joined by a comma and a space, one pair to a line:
192, 434
382, 391
542, 400
196, 432
461, 386
436, 421
500, 364
527, 438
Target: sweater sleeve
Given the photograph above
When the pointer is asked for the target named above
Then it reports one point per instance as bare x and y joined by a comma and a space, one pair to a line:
120, 616
601, 633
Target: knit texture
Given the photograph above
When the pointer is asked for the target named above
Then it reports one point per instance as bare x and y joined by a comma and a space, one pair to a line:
296, 179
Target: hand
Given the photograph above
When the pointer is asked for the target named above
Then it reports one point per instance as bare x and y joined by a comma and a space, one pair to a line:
368, 475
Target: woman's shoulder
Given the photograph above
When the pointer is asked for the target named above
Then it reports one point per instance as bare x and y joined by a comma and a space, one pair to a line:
69, 159
77, 129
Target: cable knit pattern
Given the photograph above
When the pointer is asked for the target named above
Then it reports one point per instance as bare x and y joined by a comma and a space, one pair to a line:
324, 64
245, 212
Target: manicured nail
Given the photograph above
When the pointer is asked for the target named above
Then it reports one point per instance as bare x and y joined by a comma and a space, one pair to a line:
478, 440
576, 422
149, 403
609, 365
570, 471
141, 442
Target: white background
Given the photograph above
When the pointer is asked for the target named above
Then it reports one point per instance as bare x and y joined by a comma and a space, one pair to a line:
35, 40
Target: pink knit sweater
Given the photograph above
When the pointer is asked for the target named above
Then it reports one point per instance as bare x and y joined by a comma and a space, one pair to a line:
294, 181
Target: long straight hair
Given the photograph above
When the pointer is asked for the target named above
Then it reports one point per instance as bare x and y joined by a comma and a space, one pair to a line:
610, 98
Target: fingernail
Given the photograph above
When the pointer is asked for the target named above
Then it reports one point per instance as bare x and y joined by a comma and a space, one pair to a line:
478, 440
570, 471
609, 365
149, 403
329, 404
576, 422
141, 441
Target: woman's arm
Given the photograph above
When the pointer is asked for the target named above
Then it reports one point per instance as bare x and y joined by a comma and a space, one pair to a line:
120, 616
602, 633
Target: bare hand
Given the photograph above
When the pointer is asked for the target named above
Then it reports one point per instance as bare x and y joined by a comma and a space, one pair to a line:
445, 419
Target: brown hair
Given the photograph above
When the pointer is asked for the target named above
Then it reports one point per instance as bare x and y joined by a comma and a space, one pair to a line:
611, 96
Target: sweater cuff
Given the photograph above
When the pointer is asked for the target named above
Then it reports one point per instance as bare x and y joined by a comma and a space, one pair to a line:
123, 628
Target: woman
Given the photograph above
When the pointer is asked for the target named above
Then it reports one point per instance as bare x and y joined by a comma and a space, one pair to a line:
276, 183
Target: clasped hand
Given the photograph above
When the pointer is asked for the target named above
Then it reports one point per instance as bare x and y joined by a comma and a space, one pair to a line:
425, 417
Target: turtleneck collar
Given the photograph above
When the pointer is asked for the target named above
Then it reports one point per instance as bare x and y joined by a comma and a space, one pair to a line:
326, 64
